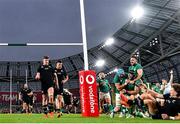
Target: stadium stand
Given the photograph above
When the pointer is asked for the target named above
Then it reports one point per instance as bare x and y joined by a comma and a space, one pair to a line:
160, 24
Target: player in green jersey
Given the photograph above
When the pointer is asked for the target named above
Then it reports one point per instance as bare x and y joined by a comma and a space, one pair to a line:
125, 92
120, 83
136, 73
157, 88
104, 91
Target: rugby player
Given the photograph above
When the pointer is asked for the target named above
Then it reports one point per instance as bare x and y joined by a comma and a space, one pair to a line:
104, 92
26, 96
46, 74
62, 78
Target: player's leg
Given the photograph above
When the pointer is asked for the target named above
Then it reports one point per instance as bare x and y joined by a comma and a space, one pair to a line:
75, 108
59, 105
124, 100
44, 99
30, 104
118, 106
117, 102
44, 103
101, 102
24, 110
152, 108
108, 101
107, 98
51, 100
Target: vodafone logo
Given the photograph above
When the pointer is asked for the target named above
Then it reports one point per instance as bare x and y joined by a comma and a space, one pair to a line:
81, 79
90, 79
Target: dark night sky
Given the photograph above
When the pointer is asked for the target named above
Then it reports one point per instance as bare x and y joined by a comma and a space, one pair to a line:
23, 21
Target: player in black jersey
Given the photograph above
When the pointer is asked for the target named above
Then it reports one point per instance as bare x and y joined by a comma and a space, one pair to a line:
46, 75
68, 99
161, 107
26, 96
62, 78
75, 104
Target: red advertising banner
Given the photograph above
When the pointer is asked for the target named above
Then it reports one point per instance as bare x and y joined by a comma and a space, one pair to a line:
5, 97
88, 93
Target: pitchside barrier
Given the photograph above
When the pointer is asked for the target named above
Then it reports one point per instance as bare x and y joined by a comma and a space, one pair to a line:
87, 78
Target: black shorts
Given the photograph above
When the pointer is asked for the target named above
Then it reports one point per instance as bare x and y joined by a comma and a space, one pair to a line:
31, 100
166, 96
58, 91
76, 105
158, 113
28, 100
25, 100
157, 116
45, 87
67, 100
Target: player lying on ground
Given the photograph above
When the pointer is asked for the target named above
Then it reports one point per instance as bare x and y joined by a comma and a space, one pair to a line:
160, 106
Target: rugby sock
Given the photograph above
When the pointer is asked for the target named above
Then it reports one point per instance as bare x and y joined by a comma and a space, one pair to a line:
50, 107
110, 108
23, 111
58, 110
130, 110
45, 110
144, 109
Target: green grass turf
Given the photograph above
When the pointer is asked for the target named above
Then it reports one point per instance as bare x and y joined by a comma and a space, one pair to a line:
74, 118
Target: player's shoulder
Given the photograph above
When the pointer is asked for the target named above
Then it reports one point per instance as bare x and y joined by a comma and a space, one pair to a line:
22, 89
55, 69
41, 67
51, 66
138, 65
116, 79
116, 76
106, 80
29, 89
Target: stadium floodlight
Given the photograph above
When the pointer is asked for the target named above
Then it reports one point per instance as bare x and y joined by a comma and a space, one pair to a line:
109, 41
100, 63
137, 12
115, 70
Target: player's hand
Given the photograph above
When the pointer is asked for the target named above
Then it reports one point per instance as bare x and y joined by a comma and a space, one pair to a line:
165, 116
127, 81
131, 82
123, 91
37, 77
171, 72
63, 81
101, 84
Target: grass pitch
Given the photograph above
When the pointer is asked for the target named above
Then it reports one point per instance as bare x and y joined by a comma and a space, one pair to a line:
74, 118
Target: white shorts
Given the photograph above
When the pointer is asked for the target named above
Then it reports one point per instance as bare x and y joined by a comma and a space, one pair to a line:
117, 95
104, 95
